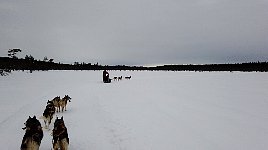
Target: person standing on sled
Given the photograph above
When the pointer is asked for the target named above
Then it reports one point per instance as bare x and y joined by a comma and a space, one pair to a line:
105, 77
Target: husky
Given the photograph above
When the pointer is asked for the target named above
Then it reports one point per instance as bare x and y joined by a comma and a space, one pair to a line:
48, 113
120, 78
56, 102
33, 134
60, 135
63, 102
128, 77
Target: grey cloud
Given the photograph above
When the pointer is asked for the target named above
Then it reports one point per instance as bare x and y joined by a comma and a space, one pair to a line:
137, 32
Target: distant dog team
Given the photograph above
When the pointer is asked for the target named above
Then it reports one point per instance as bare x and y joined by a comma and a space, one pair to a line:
121, 77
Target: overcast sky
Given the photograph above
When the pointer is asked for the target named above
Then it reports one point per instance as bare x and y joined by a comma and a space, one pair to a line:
136, 32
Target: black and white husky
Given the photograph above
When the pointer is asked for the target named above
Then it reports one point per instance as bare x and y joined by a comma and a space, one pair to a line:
33, 134
48, 113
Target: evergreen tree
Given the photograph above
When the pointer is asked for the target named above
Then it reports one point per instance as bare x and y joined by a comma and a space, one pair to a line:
12, 52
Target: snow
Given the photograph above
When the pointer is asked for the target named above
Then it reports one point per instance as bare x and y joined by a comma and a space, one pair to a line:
152, 111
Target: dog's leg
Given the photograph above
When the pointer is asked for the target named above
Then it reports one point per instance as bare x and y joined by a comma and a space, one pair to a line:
64, 144
56, 145
65, 106
34, 145
45, 123
50, 119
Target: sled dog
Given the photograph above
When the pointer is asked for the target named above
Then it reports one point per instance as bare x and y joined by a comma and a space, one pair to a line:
60, 135
63, 102
128, 77
56, 102
33, 134
48, 113
120, 78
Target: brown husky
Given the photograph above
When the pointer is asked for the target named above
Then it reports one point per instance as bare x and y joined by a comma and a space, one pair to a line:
60, 135
33, 134
56, 102
63, 102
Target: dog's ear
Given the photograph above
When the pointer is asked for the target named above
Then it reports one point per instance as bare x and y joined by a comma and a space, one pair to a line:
34, 117
61, 118
29, 117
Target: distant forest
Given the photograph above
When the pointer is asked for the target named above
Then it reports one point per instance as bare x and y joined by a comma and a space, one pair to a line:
12, 63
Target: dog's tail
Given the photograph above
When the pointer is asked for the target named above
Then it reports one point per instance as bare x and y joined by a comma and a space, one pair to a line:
42, 117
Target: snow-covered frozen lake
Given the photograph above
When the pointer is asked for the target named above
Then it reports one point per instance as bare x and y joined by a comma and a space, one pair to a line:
152, 111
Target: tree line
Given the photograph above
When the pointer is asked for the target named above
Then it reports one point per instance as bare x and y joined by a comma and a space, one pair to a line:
12, 63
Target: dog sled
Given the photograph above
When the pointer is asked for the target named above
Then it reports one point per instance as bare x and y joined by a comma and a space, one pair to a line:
105, 77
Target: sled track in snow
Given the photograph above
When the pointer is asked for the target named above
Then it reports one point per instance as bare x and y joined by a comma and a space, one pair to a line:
14, 114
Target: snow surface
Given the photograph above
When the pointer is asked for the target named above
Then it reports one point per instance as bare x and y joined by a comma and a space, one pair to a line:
152, 111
